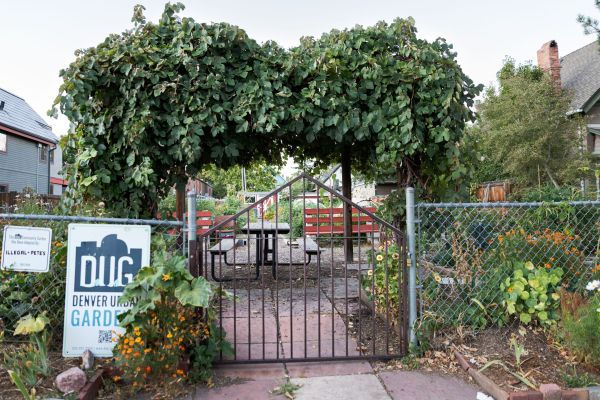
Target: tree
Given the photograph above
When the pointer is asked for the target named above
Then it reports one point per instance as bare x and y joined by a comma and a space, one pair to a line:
152, 106
590, 25
380, 99
259, 178
525, 128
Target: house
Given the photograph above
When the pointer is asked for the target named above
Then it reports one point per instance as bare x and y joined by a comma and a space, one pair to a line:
27, 146
578, 72
57, 182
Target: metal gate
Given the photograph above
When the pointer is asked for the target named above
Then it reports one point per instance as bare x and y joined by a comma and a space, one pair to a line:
302, 285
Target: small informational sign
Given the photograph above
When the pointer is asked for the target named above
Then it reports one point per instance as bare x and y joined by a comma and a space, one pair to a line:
101, 260
26, 248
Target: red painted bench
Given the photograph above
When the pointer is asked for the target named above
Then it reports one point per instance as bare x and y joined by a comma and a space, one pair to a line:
329, 221
204, 221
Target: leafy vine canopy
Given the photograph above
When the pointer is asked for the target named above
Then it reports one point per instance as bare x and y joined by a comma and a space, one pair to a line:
399, 104
151, 106
157, 103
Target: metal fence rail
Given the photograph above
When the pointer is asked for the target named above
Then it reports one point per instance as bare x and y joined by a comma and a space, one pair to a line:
463, 249
35, 293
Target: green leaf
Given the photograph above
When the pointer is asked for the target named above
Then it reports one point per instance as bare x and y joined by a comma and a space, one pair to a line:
525, 318
196, 294
130, 159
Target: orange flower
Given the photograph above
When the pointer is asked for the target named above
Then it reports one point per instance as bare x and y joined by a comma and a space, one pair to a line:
166, 277
116, 378
509, 290
148, 369
547, 265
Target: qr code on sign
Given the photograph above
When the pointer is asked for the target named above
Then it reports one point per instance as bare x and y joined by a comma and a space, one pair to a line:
105, 337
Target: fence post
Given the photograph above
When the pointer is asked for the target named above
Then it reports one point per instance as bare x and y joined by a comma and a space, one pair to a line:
412, 269
191, 216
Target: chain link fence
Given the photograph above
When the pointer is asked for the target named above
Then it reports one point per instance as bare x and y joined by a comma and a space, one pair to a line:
468, 255
23, 293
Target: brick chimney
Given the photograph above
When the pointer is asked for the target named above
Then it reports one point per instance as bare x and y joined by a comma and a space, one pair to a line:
549, 61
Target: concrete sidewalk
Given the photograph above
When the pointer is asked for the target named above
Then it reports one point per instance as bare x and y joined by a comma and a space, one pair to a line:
335, 380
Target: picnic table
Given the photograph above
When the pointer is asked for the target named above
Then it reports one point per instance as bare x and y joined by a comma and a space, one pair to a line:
263, 230
266, 234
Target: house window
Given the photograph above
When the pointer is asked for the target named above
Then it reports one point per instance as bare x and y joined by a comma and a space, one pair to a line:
596, 144
2, 142
3, 188
52, 157
43, 153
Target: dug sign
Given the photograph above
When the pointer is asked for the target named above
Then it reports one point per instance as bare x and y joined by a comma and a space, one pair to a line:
101, 260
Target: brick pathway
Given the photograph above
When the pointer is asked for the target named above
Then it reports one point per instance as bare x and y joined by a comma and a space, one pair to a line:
291, 324
287, 322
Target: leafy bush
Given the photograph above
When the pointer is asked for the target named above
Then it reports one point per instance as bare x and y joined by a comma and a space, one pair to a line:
581, 331
532, 292
549, 192
547, 248
165, 325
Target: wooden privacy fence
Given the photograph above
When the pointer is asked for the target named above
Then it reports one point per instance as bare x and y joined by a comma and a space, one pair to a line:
493, 192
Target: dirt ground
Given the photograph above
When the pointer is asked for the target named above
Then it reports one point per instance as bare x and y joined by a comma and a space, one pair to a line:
546, 360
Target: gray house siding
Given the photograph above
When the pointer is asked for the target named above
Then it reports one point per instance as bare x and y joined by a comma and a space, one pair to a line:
20, 166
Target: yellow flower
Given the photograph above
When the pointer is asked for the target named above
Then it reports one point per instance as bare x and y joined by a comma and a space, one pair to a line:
169, 335
166, 277
381, 248
395, 256
138, 339
379, 257
370, 272
437, 278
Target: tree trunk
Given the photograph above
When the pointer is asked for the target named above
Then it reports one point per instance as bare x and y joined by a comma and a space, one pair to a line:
180, 203
347, 192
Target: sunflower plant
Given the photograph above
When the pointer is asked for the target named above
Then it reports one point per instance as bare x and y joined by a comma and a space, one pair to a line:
166, 328
380, 283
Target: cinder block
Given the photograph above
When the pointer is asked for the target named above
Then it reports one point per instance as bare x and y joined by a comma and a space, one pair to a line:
575, 394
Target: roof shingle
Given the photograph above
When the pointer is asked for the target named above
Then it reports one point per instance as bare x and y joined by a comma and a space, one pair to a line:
17, 114
580, 73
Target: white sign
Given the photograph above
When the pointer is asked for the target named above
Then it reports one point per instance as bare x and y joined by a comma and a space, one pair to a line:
101, 260
26, 248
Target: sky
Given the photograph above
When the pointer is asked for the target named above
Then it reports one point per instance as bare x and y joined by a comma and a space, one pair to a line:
39, 37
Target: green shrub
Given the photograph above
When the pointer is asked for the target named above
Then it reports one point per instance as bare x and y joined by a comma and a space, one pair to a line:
582, 331
548, 193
